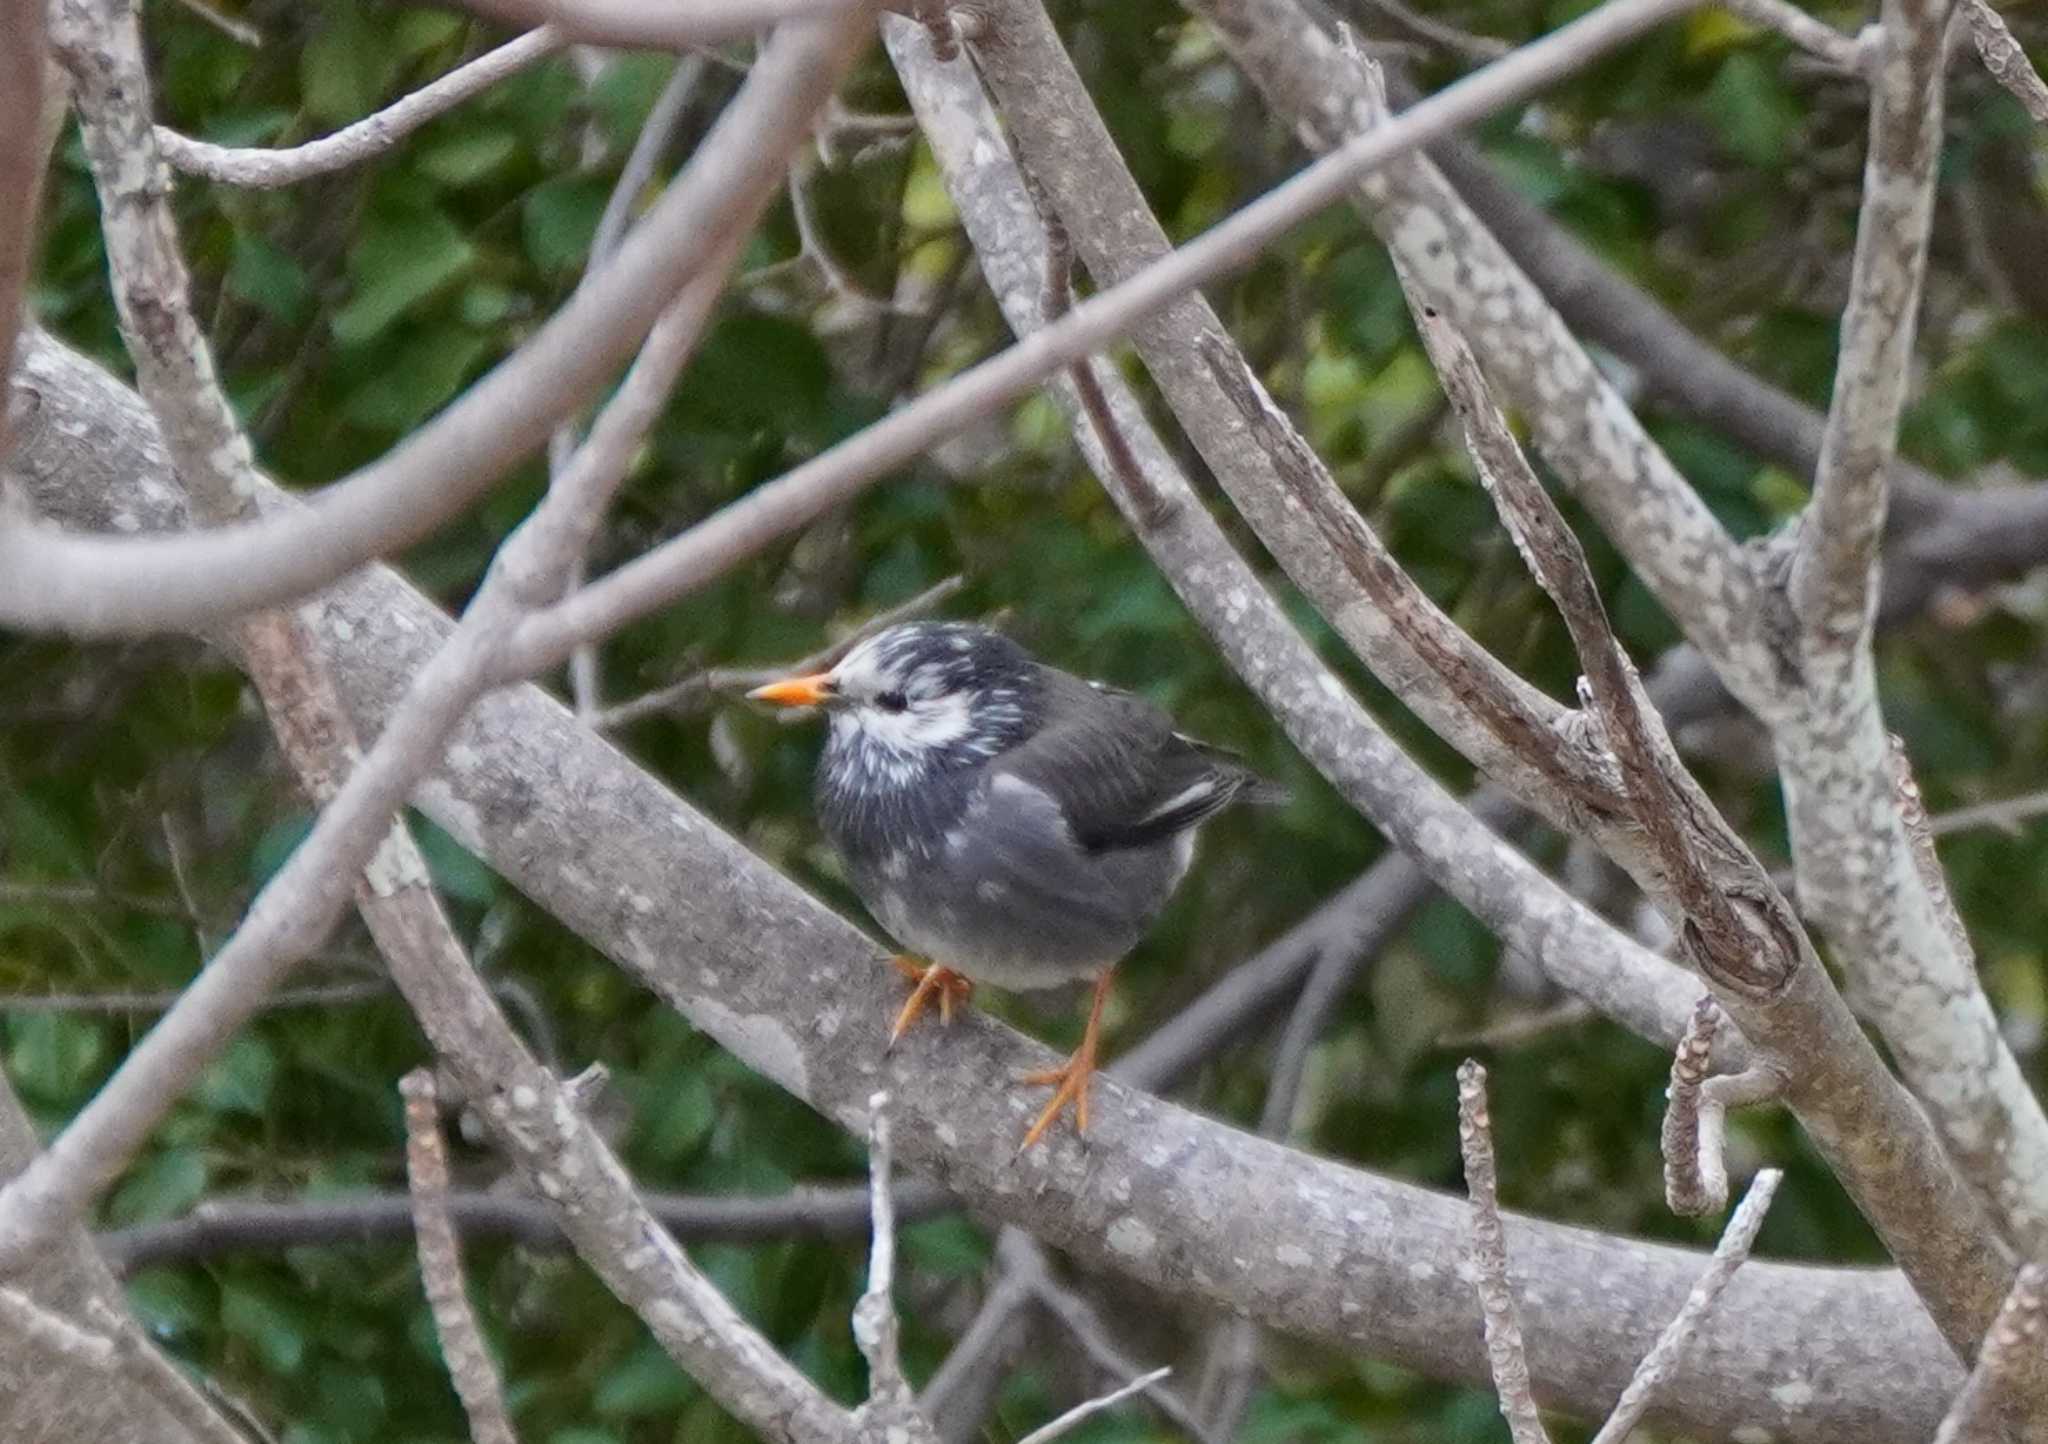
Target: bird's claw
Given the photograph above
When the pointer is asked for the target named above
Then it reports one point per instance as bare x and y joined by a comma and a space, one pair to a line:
933, 979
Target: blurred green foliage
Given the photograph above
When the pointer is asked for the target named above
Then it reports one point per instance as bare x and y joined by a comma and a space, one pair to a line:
142, 803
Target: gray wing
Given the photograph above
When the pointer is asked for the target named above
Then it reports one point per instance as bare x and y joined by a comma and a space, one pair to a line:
1118, 772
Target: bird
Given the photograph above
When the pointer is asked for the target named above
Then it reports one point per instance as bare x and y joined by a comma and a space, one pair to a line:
1004, 821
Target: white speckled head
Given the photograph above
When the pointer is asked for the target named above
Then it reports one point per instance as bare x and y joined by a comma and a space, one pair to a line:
925, 687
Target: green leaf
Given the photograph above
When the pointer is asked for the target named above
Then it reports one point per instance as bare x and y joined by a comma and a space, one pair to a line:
467, 159
559, 218
674, 1116
416, 380
344, 69
166, 1185
240, 1080
266, 1321
55, 1055
170, 1301
399, 262
1749, 106
645, 1384
267, 278
455, 871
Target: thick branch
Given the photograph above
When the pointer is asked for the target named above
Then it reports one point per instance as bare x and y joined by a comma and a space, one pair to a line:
1735, 926
1583, 428
1249, 626
578, 828
300, 902
96, 585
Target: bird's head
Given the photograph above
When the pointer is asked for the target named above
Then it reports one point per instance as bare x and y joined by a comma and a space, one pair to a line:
922, 691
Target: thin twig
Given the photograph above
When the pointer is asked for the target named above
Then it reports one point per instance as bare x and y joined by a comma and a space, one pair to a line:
2006, 814
633, 25
1664, 1356
365, 139
2004, 1396
703, 689
100, 585
240, 31
2005, 59
1815, 37
299, 903
891, 1407
1461, 43
1088, 1329
470, 1366
1489, 1251
1074, 1416
585, 672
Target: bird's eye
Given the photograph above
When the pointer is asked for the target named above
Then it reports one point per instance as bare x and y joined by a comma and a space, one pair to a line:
892, 701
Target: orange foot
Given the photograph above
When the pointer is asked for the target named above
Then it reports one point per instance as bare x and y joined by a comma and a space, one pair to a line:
950, 987
1071, 1079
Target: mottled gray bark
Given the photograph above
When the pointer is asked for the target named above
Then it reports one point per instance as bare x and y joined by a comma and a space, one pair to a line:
1181, 1203
47, 1398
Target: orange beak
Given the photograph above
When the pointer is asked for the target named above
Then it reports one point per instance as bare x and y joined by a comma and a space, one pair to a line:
796, 691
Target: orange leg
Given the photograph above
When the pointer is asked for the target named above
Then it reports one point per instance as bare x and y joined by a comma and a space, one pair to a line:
950, 986
1072, 1077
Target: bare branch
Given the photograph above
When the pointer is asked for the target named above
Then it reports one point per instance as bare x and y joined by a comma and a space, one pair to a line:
1072, 1419
1482, 48
104, 584
470, 1366
578, 828
1833, 584
239, 31
1695, 1174
1736, 927
2004, 58
1489, 1252
115, 1347
629, 25
891, 1409
300, 902
774, 509
713, 685
1815, 37
364, 140
585, 678
2006, 814
22, 135
2006, 1396
1087, 1328
1732, 1253
1232, 604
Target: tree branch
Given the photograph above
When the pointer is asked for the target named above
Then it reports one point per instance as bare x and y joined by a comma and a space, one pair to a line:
300, 902
2006, 1396
574, 825
1730, 1254
101, 585
1235, 608
628, 25
367, 138
1735, 926
1504, 1350
1833, 583
2004, 58
469, 1363
22, 61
